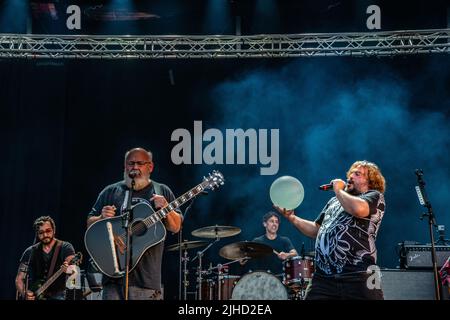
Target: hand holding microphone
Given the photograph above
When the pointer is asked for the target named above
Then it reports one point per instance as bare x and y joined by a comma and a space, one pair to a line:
335, 185
326, 187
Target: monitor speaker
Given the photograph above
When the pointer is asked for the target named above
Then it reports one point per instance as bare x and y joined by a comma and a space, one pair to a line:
407, 284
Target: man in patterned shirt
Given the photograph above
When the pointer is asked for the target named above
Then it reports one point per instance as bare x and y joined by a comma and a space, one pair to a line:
345, 233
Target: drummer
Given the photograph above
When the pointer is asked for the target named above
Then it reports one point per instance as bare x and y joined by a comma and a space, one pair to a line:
282, 247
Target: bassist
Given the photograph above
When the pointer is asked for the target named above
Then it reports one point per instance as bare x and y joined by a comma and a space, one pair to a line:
42, 260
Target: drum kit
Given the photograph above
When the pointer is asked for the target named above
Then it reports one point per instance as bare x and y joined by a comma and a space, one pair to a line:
215, 283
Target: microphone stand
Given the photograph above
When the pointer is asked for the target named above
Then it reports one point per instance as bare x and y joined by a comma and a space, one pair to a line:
420, 189
126, 218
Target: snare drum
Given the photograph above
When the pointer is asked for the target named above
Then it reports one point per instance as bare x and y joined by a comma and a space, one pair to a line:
298, 270
259, 285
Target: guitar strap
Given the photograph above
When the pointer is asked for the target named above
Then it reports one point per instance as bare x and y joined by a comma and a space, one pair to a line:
157, 186
55, 257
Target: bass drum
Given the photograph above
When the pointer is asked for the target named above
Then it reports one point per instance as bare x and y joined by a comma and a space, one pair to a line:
259, 285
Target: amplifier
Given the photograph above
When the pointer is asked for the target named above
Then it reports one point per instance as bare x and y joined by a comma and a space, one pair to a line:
419, 256
407, 284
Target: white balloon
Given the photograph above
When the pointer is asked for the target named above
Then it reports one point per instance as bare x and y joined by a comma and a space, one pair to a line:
287, 192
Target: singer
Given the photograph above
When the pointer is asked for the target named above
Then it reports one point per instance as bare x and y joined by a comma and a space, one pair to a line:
345, 233
145, 278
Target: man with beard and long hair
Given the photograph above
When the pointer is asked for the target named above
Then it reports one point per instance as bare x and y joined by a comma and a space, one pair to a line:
145, 278
37, 262
345, 233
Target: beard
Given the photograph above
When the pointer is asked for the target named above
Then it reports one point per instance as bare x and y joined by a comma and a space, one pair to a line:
47, 240
353, 190
140, 181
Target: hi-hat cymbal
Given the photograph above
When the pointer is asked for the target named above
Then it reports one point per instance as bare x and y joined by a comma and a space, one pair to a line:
245, 249
216, 232
186, 245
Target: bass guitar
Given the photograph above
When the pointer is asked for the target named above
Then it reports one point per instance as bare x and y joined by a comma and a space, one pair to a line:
39, 293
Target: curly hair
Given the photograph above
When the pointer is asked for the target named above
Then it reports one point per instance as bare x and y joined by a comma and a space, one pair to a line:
41, 220
376, 179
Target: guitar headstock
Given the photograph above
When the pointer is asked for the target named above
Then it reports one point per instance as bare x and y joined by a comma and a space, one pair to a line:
214, 180
77, 259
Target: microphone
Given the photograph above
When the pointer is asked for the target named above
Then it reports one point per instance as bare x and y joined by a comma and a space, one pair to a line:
133, 174
326, 187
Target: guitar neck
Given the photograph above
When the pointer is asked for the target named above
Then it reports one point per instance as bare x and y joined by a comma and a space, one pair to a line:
49, 282
162, 213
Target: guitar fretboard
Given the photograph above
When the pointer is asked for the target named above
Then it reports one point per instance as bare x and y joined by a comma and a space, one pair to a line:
162, 213
49, 282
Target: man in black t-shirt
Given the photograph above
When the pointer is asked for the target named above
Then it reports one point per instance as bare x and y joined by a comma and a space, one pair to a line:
145, 278
36, 261
282, 247
345, 233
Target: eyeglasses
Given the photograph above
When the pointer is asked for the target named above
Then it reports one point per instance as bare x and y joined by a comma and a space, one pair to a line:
41, 232
139, 163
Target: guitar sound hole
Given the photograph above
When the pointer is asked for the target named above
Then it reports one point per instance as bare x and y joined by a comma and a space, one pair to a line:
139, 228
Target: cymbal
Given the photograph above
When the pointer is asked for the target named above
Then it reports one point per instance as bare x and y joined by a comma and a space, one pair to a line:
216, 232
185, 245
243, 249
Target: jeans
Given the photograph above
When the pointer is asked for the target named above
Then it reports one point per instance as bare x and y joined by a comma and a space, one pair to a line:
113, 291
342, 287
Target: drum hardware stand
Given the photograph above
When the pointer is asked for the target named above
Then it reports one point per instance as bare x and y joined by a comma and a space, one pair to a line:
183, 261
420, 189
220, 268
199, 269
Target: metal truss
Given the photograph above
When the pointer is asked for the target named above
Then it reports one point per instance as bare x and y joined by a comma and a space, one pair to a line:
388, 43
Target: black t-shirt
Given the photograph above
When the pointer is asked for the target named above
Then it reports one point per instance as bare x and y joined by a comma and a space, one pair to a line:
270, 262
346, 243
40, 264
147, 273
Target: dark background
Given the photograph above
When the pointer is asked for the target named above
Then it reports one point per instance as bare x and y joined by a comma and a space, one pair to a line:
66, 124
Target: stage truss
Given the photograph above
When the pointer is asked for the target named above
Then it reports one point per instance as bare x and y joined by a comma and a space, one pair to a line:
389, 43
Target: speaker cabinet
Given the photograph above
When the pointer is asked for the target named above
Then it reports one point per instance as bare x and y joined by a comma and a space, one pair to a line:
407, 284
